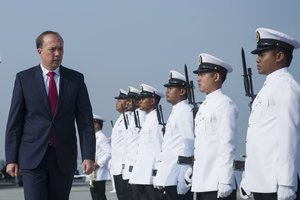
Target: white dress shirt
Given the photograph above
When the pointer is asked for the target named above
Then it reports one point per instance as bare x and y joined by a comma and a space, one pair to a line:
46, 78
215, 143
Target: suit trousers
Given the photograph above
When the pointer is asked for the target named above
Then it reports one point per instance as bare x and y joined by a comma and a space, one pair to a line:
121, 187
213, 195
98, 191
47, 181
171, 194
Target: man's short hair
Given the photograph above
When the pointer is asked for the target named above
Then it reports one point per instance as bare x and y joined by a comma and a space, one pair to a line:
40, 39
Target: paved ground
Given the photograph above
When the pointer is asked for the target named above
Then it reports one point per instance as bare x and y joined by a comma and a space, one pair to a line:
79, 191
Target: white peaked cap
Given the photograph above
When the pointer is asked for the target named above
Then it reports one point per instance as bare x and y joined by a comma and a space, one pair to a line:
268, 38
209, 63
147, 90
98, 117
176, 79
133, 90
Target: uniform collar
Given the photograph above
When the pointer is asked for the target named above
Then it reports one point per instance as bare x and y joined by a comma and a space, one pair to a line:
180, 103
214, 94
271, 77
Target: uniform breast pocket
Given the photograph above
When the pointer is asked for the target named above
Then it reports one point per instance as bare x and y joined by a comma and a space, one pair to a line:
269, 108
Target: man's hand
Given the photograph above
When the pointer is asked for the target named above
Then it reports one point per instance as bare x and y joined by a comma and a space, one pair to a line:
87, 166
12, 169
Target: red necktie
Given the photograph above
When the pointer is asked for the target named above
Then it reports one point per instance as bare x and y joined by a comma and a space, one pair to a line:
52, 98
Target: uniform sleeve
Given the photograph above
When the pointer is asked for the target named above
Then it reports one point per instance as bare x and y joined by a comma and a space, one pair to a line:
227, 132
185, 126
103, 151
288, 135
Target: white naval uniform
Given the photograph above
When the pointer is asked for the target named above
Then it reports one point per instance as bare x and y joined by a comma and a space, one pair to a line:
178, 141
117, 146
150, 141
215, 143
272, 145
132, 143
102, 157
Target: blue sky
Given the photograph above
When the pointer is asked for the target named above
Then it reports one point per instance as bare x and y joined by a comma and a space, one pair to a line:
120, 43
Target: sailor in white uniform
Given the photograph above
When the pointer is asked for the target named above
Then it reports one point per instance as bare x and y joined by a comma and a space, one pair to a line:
118, 146
151, 136
272, 143
215, 133
136, 118
178, 142
102, 157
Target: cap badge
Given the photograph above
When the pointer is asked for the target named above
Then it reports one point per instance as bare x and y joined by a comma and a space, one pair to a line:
257, 37
170, 75
141, 88
200, 60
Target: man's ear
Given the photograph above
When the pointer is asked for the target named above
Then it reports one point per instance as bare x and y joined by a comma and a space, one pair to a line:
280, 56
217, 77
183, 91
39, 50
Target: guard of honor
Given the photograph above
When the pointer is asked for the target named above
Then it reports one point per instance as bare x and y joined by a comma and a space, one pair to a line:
157, 161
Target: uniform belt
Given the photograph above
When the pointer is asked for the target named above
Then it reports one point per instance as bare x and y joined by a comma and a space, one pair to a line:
154, 172
130, 168
182, 160
239, 165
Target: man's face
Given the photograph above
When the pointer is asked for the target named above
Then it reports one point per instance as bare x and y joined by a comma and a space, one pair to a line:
266, 62
147, 104
206, 82
174, 94
121, 103
51, 52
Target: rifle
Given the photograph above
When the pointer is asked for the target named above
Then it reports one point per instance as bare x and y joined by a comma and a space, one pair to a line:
112, 123
136, 115
239, 165
248, 85
190, 92
125, 119
160, 118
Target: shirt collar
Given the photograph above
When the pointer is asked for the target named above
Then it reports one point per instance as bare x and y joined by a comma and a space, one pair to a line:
45, 71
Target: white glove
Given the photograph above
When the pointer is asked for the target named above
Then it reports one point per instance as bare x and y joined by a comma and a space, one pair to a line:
182, 187
224, 190
188, 175
158, 187
286, 193
244, 193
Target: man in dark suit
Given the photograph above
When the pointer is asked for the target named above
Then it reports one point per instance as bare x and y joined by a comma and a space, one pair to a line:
41, 136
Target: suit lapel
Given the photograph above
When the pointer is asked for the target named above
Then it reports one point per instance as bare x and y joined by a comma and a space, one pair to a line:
62, 88
40, 84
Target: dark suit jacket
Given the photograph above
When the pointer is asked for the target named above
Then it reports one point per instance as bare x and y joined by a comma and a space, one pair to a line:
30, 120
